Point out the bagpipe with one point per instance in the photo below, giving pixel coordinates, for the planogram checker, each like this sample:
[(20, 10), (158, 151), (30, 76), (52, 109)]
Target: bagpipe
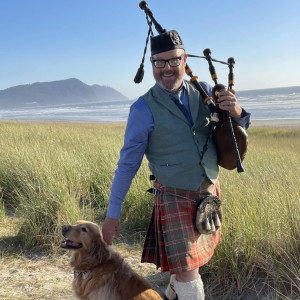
[(231, 139)]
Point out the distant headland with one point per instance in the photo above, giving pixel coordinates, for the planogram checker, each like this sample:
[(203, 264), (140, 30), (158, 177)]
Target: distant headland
[(60, 92)]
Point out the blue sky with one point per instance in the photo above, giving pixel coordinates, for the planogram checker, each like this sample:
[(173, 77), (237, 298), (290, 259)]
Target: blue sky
[(102, 42)]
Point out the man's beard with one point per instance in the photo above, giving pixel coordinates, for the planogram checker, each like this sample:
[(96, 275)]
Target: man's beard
[(170, 79)]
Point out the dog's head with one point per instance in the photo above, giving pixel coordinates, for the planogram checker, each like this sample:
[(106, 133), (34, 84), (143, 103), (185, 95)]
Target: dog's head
[(86, 242), (79, 235)]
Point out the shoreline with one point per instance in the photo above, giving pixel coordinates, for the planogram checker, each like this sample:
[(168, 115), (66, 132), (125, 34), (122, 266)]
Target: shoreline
[(278, 123)]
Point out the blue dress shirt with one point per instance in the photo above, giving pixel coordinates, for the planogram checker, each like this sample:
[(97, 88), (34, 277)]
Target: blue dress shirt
[(139, 128)]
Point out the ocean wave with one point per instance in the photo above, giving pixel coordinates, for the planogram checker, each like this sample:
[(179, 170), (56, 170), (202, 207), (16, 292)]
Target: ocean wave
[(263, 105)]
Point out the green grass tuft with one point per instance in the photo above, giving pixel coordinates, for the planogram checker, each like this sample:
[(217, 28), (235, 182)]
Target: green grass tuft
[(53, 174)]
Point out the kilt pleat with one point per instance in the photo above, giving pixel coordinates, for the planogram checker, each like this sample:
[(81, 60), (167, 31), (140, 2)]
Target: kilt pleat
[(172, 241)]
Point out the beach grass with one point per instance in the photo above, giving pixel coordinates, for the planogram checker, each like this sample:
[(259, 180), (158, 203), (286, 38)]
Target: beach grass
[(261, 232), (56, 173)]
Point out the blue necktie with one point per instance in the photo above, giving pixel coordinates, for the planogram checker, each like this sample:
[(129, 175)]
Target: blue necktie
[(175, 98)]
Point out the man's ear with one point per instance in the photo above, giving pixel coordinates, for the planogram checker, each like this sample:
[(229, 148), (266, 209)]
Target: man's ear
[(185, 57)]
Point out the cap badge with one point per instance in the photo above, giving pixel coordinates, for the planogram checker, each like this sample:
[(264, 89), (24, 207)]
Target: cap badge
[(175, 38)]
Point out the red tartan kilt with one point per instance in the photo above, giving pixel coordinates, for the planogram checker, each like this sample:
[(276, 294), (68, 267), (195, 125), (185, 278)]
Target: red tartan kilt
[(173, 242)]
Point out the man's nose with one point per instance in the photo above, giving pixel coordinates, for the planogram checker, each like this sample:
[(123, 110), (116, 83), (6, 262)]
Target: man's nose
[(167, 65)]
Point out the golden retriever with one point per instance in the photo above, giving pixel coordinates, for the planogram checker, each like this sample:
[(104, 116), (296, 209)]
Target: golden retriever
[(100, 273)]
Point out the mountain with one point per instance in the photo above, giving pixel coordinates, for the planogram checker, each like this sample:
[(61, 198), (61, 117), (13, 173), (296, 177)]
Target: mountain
[(61, 92)]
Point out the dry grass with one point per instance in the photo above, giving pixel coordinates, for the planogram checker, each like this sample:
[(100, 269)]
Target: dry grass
[(52, 174), (32, 274), (35, 278)]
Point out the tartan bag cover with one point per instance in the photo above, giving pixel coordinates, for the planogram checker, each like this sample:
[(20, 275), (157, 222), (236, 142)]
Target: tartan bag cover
[(173, 242)]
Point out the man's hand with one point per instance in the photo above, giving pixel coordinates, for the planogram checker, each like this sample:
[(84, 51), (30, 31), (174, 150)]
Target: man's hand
[(227, 101), (110, 229)]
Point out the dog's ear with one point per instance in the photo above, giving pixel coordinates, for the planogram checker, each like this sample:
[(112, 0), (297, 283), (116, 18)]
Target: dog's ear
[(99, 249)]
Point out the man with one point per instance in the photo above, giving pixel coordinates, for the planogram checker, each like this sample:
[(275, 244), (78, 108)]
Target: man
[(169, 125)]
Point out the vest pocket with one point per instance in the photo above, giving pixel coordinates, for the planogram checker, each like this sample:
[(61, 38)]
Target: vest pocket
[(170, 165)]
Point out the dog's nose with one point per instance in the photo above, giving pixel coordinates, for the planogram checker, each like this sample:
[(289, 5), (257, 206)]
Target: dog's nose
[(65, 228)]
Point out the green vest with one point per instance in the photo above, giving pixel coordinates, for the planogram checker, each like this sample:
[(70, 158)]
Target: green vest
[(175, 147)]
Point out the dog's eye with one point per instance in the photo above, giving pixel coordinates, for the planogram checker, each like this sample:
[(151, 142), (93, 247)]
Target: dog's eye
[(83, 229)]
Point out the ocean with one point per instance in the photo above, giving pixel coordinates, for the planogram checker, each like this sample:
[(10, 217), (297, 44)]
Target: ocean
[(264, 104)]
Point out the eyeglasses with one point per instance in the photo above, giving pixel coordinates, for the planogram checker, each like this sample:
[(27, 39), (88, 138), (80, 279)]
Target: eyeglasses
[(173, 62)]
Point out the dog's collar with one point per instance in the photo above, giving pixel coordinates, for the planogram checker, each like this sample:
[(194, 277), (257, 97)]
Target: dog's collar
[(84, 275)]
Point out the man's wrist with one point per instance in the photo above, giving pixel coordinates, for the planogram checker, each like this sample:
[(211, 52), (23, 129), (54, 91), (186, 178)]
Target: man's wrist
[(243, 113), (239, 115), (113, 211)]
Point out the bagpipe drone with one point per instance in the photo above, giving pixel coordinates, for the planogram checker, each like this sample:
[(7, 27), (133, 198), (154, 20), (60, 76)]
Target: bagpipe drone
[(231, 139)]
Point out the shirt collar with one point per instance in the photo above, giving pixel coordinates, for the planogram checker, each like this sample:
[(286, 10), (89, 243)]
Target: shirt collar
[(178, 92)]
